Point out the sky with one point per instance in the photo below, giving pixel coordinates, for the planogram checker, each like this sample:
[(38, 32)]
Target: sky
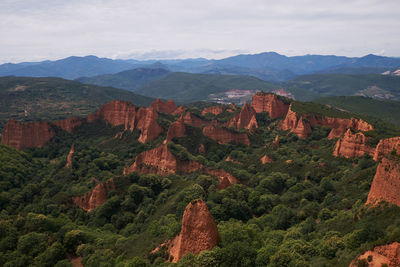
[(34, 30)]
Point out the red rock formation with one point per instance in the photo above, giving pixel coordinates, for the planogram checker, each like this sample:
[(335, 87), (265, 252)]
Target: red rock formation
[(225, 178), (295, 124), (213, 110), (301, 125), (176, 129), (161, 161), (198, 233), (386, 183), (386, 254), (96, 197), (231, 108), (352, 145), (69, 124), (224, 136), (202, 149), (69, 157), (179, 111), (116, 113), (195, 121), (22, 135), (265, 159), (276, 141), (164, 106), (147, 124), (245, 119), (269, 103), (386, 146)]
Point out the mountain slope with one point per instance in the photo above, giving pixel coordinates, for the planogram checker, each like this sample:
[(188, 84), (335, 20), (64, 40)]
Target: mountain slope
[(378, 86), (187, 87), (54, 98), (381, 109), (129, 79)]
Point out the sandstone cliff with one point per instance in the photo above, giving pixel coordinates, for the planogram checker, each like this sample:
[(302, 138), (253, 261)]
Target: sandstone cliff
[(161, 161), (386, 146), (147, 124), (295, 124), (179, 111), (69, 124), (96, 197), (176, 129), (164, 106), (213, 110), (245, 119), (116, 113), (225, 178), (69, 157), (352, 145), (198, 233), (196, 121), (22, 135), (270, 103), (386, 183), (265, 159), (386, 254), (224, 136)]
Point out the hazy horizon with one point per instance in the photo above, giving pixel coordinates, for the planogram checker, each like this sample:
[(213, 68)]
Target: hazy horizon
[(34, 30)]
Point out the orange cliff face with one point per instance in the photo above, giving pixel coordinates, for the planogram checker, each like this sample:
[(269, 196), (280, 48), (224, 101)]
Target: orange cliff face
[(69, 124), (386, 254), (116, 113), (22, 135), (213, 110), (196, 121), (245, 119), (69, 157), (295, 124), (386, 183), (167, 107), (224, 136), (225, 178), (270, 103), (352, 145), (198, 233), (386, 146), (148, 125), (176, 129), (94, 198), (301, 125), (160, 161)]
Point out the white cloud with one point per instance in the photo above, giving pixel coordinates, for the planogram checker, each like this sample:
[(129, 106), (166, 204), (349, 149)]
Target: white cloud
[(39, 29)]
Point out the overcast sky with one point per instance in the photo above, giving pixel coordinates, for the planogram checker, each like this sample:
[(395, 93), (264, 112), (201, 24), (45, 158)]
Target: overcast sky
[(32, 30)]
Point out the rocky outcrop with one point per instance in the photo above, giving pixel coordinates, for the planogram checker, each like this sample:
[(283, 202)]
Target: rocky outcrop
[(22, 135), (161, 161), (147, 124), (386, 146), (225, 178), (276, 141), (202, 149), (213, 110), (295, 124), (352, 145), (176, 129), (265, 159), (96, 197), (196, 121), (179, 111), (246, 119), (224, 136), (270, 103), (164, 106), (116, 113), (69, 157), (198, 233), (301, 125), (386, 254), (386, 183), (69, 124)]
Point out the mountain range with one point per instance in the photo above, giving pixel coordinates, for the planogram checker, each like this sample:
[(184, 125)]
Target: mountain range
[(269, 66)]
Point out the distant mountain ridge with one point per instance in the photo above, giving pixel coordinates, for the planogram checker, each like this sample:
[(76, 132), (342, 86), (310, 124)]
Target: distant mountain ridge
[(269, 66)]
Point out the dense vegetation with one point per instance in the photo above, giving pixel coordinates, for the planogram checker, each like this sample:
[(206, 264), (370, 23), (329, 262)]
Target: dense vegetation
[(304, 209), (53, 98)]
